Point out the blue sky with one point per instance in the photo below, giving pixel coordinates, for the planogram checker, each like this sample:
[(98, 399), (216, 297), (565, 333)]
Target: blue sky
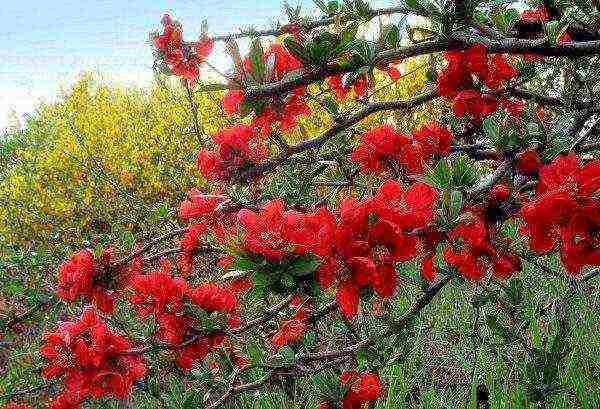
[(47, 44)]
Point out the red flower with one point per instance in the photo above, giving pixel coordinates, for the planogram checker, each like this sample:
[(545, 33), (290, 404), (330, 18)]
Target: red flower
[(158, 292), (197, 350), (232, 101), (499, 193), (92, 358), (474, 104), (371, 236), (529, 162), (378, 146), (362, 388), (456, 81), (347, 297), (93, 280), (383, 146), (199, 204), (538, 14), (181, 59), (564, 212), (336, 83), (235, 149), (212, 297), (189, 244), (499, 71), (265, 232), (291, 330), (471, 252)]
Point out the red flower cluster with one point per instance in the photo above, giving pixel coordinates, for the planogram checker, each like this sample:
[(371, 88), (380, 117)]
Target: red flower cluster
[(158, 292), (383, 147), (360, 84), (362, 388), (189, 244), (93, 359), (199, 205), (293, 329), (283, 110), (235, 148), (529, 162), (565, 212), (93, 280), (181, 59), (465, 75), (198, 350), (212, 297), (165, 297), (371, 236), (276, 233), (471, 252)]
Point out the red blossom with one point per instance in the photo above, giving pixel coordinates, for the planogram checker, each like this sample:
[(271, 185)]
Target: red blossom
[(565, 213), (212, 297), (235, 149), (199, 204), (197, 350), (93, 280), (471, 252), (181, 59), (529, 162), (381, 147), (362, 388), (189, 244), (92, 358), (371, 236), (291, 330), (456, 81), (158, 292)]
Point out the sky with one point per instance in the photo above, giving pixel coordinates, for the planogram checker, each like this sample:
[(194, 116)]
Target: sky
[(46, 44)]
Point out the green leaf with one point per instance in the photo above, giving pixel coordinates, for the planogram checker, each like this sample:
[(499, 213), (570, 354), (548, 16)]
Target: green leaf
[(243, 264), (455, 171), (391, 35), (256, 59), (304, 265), (496, 327), (331, 105), (128, 238), (333, 7), (346, 38), (297, 50), (285, 357), (191, 399)]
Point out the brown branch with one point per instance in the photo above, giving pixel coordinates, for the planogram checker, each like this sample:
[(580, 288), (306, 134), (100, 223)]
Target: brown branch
[(25, 315), (339, 126), (311, 75), (490, 180), (307, 26), (395, 327), (149, 245), (457, 42), (270, 313)]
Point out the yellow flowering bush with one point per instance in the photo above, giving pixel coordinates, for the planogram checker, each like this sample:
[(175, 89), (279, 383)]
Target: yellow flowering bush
[(102, 159), (107, 159)]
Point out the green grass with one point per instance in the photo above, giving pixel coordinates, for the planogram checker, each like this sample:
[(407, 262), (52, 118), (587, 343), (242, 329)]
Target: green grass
[(436, 357)]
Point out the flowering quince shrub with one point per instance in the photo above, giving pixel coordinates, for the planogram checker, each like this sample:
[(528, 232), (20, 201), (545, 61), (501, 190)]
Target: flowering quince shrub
[(291, 260)]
